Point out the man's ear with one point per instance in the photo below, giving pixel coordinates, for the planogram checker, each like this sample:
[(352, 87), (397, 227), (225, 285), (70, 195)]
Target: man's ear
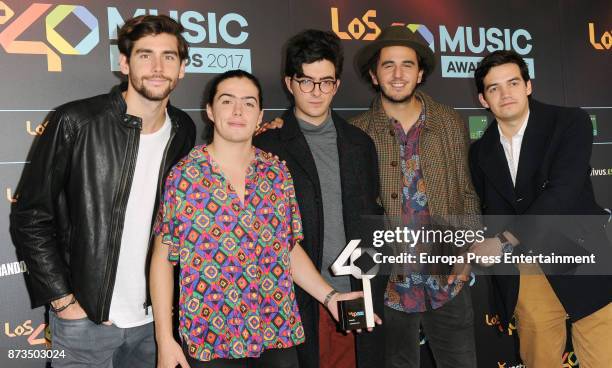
[(374, 79), (209, 113), (482, 100), (182, 70), (259, 119), (124, 64), (288, 84), (528, 87), (336, 88)]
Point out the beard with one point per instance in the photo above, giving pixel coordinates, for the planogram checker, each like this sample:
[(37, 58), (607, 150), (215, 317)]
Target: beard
[(397, 100), (139, 86)]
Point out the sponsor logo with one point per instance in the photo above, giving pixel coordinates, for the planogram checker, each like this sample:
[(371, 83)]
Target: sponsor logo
[(36, 131), (479, 40), (601, 172), (505, 365), (230, 28), (357, 27), (569, 360), (594, 122), (603, 42), (36, 336), (461, 47), (478, 125), (209, 30), (12, 268), (10, 197), (494, 321), (422, 30), (6, 13), (56, 44)]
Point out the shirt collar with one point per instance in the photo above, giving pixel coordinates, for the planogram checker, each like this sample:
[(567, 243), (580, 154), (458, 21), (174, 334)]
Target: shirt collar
[(309, 127), (521, 131), (420, 120)]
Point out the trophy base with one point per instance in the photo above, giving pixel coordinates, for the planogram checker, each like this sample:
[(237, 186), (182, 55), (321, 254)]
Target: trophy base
[(352, 314)]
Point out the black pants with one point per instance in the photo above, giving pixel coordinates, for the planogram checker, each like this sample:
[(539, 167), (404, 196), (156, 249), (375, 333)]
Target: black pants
[(274, 358), (449, 330)]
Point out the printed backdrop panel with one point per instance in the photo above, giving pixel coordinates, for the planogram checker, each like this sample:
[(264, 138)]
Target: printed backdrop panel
[(52, 52)]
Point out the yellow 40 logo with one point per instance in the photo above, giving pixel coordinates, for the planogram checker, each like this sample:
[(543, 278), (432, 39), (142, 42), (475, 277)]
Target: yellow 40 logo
[(12, 45)]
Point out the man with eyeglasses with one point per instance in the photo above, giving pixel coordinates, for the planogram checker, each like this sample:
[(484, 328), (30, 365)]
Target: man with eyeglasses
[(335, 171)]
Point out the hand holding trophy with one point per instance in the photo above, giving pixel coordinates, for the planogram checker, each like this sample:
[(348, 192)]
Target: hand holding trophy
[(358, 313)]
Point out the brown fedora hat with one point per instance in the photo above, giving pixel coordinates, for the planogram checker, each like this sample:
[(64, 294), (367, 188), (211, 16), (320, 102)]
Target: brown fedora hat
[(394, 36)]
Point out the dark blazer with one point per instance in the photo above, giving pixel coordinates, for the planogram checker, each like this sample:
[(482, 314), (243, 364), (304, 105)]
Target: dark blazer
[(553, 178), (360, 190)]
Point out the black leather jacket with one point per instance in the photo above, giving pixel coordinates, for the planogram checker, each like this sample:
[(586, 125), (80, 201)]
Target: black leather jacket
[(68, 219)]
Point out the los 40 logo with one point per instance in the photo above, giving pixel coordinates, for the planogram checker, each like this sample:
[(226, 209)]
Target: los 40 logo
[(26, 329), (54, 15)]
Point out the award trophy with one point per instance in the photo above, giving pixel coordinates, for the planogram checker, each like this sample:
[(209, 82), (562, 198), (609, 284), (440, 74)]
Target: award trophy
[(357, 313)]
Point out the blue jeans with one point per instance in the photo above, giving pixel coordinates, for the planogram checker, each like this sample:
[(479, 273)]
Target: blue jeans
[(86, 344)]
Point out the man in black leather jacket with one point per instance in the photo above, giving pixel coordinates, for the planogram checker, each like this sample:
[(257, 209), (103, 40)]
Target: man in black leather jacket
[(82, 222)]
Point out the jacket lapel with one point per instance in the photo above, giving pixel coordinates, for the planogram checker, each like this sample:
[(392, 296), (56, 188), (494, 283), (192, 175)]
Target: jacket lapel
[(296, 145), (533, 148), (346, 155), (431, 148), (388, 150), (350, 179), (433, 123), (493, 163)]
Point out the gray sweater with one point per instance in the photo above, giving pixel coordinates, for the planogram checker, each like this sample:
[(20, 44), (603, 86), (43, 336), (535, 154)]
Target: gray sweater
[(322, 140)]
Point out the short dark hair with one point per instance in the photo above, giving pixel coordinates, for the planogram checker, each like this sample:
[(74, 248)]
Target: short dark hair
[(373, 63), (148, 25), (211, 91), (498, 58), (237, 73), (310, 46)]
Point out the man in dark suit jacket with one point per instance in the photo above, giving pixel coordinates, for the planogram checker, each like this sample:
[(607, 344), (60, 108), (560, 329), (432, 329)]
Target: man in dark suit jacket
[(533, 162), (335, 172)]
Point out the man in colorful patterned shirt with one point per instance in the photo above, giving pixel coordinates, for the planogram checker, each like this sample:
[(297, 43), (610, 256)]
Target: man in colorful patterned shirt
[(231, 222), (422, 155)]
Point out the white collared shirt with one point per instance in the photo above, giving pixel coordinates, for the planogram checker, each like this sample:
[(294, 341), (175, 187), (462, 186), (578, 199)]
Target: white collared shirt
[(512, 148)]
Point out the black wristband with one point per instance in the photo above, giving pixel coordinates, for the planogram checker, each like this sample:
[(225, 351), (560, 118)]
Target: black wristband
[(63, 307), (328, 298)]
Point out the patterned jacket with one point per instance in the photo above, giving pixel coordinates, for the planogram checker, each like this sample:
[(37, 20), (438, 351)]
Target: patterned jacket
[(443, 147)]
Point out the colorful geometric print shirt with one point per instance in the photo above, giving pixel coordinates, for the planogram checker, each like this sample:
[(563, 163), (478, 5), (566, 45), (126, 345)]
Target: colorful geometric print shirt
[(236, 291)]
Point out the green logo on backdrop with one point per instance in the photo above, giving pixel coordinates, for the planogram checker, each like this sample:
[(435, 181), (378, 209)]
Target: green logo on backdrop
[(594, 122), (478, 124)]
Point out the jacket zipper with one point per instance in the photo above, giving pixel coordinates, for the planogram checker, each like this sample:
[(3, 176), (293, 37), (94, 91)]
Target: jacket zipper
[(118, 216)]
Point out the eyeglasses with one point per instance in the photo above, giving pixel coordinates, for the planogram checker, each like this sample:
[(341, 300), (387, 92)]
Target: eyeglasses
[(308, 85)]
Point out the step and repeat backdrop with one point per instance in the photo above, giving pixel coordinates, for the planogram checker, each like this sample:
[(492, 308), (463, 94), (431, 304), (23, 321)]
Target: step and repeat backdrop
[(52, 52)]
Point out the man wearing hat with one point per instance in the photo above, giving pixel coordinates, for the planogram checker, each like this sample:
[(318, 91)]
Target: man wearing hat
[(422, 154)]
